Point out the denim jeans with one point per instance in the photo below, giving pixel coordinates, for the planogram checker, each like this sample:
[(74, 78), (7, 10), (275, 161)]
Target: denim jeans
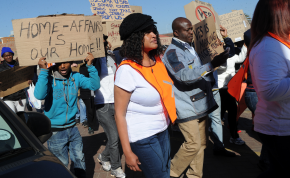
[(251, 100), (68, 140), (83, 111), (216, 127), (105, 114), (277, 148), (154, 154)]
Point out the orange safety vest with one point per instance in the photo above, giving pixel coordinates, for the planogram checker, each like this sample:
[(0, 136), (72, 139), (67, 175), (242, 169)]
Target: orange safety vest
[(158, 78), (235, 87)]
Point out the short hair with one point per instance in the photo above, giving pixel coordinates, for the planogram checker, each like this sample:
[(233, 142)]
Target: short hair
[(132, 47), (276, 20)]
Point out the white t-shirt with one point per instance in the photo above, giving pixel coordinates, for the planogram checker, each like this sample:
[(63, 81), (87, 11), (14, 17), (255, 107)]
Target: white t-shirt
[(106, 92), (144, 115)]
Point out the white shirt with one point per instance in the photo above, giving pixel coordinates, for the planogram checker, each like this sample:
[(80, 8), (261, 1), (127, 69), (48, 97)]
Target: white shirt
[(144, 115), (270, 70), (105, 94)]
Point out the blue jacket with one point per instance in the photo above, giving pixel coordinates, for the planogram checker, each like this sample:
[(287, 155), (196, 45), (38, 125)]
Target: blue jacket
[(60, 94), (192, 89)]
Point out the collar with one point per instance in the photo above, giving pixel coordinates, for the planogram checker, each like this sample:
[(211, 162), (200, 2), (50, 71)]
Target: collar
[(179, 43)]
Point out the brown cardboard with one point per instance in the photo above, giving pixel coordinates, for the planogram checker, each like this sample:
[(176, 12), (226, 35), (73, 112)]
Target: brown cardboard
[(236, 24), (11, 45), (111, 10), (113, 34), (136, 9), (59, 38), (15, 79), (197, 11), (207, 44), (165, 40)]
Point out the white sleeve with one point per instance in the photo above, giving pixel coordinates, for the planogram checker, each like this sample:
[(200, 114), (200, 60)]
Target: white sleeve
[(242, 56), (270, 75), (124, 78)]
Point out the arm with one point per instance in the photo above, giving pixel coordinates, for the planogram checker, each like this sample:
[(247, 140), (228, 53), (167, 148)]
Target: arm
[(180, 70), (270, 75), (42, 87), (229, 43), (242, 56), (122, 98)]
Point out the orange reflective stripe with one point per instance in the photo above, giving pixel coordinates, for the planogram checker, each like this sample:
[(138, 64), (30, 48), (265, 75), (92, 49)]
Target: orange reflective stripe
[(160, 80)]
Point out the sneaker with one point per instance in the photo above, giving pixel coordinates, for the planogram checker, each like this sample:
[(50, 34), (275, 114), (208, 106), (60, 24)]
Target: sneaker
[(118, 173), (77, 121), (106, 165), (85, 124), (91, 131), (237, 141)]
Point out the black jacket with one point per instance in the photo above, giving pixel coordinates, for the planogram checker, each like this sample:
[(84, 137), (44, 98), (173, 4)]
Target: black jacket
[(84, 93), (17, 95)]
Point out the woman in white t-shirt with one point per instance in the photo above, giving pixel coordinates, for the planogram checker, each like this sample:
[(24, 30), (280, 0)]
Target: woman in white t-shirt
[(144, 101)]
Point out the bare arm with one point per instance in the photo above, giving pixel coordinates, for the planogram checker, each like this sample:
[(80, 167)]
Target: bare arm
[(122, 98)]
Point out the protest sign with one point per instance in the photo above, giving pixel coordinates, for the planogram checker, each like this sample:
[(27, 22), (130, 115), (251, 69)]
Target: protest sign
[(197, 11), (15, 79), (165, 40), (11, 45), (236, 24), (59, 38), (207, 44), (113, 34), (136, 9), (111, 10)]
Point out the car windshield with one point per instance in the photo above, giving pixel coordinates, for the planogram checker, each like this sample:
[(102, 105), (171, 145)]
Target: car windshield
[(10, 139)]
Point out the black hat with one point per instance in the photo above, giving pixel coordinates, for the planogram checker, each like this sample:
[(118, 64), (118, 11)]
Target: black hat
[(247, 37), (134, 23)]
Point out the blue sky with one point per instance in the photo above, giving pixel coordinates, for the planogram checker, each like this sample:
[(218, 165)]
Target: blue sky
[(162, 11)]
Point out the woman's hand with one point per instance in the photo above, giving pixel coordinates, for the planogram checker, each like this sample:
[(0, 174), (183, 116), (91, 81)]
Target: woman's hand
[(89, 58), (132, 162)]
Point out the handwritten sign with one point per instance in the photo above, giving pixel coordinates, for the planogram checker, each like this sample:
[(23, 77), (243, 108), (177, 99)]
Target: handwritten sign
[(113, 34), (59, 38), (111, 10), (207, 44), (11, 45), (136, 9), (197, 11), (15, 79), (165, 40), (236, 24)]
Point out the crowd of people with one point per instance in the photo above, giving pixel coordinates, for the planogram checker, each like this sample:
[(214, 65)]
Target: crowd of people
[(142, 90)]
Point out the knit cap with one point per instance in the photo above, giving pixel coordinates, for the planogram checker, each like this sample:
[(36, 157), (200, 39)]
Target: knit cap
[(5, 50)]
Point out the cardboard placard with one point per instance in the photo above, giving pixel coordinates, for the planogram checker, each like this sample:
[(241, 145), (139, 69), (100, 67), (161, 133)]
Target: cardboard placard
[(113, 34), (236, 24), (11, 45), (59, 39), (197, 11), (207, 44), (136, 9), (165, 40), (15, 79), (111, 10)]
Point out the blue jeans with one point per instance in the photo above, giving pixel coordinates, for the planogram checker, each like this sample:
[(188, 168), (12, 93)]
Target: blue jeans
[(154, 154), (251, 100), (216, 128), (68, 140), (83, 111)]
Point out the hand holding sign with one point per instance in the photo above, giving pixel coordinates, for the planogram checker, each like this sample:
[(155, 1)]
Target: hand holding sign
[(89, 58), (42, 63), (224, 31)]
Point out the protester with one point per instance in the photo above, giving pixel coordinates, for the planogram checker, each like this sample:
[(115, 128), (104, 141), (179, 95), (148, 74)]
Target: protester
[(194, 97), (269, 55), (144, 99), (216, 127), (228, 103), (17, 100), (105, 112), (59, 89)]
